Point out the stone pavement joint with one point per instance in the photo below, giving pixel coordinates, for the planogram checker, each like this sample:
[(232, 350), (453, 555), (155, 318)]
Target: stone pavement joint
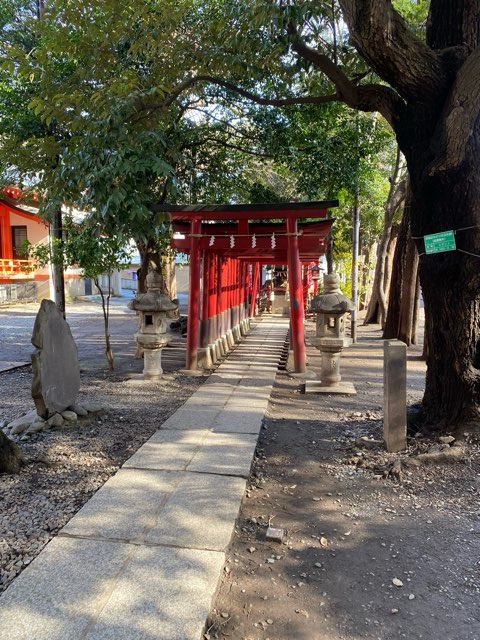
[(141, 560)]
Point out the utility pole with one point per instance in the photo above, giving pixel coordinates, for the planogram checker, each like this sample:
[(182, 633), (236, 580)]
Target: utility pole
[(40, 8), (355, 239), (56, 231), (355, 248)]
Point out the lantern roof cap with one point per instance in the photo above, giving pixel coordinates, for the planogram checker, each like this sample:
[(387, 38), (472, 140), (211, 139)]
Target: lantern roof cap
[(332, 301), (154, 300)]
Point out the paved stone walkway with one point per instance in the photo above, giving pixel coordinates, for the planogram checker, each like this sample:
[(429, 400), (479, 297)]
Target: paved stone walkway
[(141, 560)]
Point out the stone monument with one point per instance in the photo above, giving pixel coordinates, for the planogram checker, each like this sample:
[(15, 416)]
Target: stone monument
[(395, 395), (56, 372), (152, 336), (331, 308)]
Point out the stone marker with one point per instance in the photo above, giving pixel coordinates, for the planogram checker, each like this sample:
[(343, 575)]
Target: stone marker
[(56, 373), (395, 395)]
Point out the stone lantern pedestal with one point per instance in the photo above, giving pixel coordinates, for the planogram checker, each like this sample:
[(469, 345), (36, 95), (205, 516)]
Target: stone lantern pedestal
[(331, 308), (152, 336)]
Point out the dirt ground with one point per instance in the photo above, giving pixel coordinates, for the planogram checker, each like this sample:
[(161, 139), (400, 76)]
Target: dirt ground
[(364, 554)]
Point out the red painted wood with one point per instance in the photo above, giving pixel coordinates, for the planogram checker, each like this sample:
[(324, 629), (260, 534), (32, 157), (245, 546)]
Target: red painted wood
[(212, 300), (219, 297), (5, 234), (205, 297), (309, 246), (305, 285), (249, 214), (256, 279), (296, 298), (193, 298)]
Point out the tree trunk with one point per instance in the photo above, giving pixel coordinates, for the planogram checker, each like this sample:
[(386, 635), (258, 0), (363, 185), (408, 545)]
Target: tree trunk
[(329, 255), (150, 258), (391, 248), (366, 277), (402, 299), (106, 321), (377, 309), (434, 107)]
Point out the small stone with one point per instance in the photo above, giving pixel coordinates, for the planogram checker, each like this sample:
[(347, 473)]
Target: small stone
[(21, 424), (55, 421), (35, 427), (79, 410), (446, 439), (271, 561), (269, 621), (274, 534), (92, 407), (318, 565), (397, 582), (411, 596), (252, 550), (434, 448), (224, 614), (323, 541), (71, 416), (394, 610)]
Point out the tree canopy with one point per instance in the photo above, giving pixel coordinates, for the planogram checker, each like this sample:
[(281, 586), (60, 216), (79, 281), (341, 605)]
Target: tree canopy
[(106, 94)]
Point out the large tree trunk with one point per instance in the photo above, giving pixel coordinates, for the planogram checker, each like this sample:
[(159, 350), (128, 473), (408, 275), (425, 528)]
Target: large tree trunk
[(434, 108)]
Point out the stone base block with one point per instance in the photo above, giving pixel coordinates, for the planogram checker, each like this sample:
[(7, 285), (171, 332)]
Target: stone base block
[(204, 358), (237, 335), (343, 388), (304, 375), (230, 339), (224, 345), (213, 353), (195, 373), (218, 349)]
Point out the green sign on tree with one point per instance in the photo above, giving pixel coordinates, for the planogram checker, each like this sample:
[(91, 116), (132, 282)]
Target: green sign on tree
[(439, 242)]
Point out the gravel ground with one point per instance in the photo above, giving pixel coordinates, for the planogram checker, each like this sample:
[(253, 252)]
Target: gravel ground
[(366, 553), (66, 466)]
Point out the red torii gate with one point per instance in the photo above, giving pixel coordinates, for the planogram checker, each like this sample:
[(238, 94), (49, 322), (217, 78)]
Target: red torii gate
[(234, 240)]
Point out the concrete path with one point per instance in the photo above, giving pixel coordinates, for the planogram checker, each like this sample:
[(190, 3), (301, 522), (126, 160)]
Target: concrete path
[(141, 560)]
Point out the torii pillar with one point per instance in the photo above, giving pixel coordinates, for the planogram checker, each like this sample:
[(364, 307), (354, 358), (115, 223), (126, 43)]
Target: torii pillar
[(193, 320), (296, 297)]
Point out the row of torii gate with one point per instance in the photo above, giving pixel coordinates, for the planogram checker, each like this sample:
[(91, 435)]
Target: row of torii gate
[(227, 245)]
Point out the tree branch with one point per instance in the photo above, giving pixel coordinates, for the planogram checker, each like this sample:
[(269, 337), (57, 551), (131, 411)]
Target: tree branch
[(384, 39), (370, 97)]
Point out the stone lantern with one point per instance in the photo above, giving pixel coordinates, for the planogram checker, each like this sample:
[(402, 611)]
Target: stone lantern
[(331, 308), (152, 336)]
